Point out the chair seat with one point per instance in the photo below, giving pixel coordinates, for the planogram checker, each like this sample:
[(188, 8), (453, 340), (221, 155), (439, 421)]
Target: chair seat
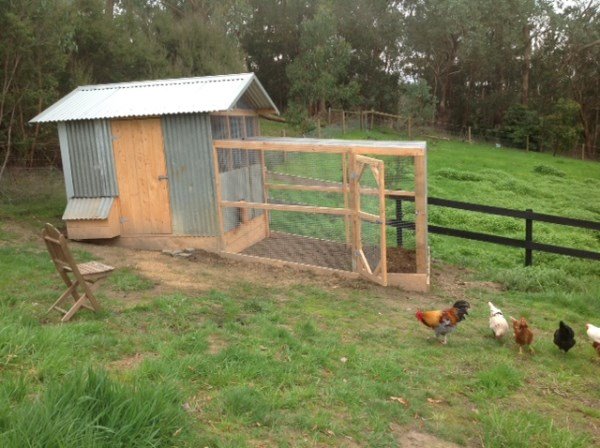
[(94, 268)]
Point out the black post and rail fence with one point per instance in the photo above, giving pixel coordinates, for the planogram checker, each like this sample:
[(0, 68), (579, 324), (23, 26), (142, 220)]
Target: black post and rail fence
[(528, 215)]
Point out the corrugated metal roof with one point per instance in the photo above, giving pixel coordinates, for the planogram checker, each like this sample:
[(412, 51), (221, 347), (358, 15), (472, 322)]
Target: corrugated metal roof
[(160, 97), (88, 208)]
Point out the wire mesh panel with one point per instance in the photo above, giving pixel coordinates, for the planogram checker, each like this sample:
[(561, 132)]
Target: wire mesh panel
[(311, 239), (241, 179)]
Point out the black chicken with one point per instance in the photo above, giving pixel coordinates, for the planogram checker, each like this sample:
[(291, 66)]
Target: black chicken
[(564, 337)]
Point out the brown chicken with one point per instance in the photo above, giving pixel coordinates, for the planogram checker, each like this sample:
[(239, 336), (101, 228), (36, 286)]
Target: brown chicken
[(523, 335), (444, 321)]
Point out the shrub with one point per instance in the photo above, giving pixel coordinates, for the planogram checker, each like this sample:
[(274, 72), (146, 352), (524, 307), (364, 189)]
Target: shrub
[(451, 173), (548, 170)]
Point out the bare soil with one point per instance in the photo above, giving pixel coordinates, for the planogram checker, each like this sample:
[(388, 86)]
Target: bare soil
[(409, 438)]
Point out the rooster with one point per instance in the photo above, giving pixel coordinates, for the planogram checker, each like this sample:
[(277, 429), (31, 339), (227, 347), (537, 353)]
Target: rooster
[(523, 335), (594, 335), (444, 321), (564, 337), (498, 323)]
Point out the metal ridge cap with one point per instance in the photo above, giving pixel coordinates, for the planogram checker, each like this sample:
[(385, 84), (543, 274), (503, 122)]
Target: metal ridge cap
[(164, 82)]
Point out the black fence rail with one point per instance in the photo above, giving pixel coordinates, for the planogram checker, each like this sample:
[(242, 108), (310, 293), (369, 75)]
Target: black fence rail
[(528, 215)]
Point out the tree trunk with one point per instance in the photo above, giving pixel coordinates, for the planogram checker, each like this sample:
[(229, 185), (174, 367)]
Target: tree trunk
[(8, 143), (526, 65), (109, 8)]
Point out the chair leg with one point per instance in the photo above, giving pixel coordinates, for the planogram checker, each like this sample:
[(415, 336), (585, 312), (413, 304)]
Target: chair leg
[(74, 308), (90, 296), (72, 287), (68, 282)]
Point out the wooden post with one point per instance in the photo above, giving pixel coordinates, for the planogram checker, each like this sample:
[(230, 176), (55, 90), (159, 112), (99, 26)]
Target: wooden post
[(265, 192), (343, 122), (372, 118), (409, 127), (528, 238), (220, 219), (228, 128), (421, 213), (527, 143), (355, 203), (583, 151), (346, 198), (318, 127), (383, 225), (470, 136), (361, 119), (329, 116)]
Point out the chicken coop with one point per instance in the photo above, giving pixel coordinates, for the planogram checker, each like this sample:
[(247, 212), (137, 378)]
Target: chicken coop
[(174, 164)]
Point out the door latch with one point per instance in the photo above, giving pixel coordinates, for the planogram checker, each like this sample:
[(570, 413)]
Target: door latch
[(163, 177)]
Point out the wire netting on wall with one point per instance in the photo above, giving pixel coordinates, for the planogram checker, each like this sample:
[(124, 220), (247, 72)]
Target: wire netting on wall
[(241, 178)]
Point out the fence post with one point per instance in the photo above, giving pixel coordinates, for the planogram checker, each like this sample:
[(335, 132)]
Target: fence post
[(372, 117), (470, 136), (343, 121), (329, 116), (318, 127), (527, 143), (399, 221), (528, 238), (409, 127)]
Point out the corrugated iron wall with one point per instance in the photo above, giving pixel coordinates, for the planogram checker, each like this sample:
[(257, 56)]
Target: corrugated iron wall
[(91, 158), (189, 154)]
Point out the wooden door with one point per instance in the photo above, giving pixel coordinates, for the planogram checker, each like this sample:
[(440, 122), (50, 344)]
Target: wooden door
[(141, 176), (372, 265)]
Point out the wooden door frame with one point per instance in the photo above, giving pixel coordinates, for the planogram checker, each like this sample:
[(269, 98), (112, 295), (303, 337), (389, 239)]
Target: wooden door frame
[(360, 264)]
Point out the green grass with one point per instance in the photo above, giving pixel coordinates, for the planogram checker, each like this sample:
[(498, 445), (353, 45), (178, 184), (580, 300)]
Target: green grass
[(244, 364)]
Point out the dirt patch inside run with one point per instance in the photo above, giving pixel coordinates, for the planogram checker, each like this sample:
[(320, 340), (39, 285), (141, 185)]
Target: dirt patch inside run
[(401, 260)]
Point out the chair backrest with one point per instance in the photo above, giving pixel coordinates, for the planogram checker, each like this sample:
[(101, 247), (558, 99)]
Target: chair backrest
[(58, 249)]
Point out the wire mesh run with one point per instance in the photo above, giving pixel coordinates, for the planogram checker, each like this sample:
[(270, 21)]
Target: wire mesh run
[(302, 207)]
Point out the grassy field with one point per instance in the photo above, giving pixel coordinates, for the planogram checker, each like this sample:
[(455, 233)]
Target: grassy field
[(239, 356)]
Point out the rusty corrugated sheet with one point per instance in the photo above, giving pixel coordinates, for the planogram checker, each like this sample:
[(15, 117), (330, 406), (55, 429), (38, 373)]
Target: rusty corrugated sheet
[(88, 208)]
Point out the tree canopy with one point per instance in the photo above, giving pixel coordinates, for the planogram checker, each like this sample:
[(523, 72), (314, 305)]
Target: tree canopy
[(526, 71)]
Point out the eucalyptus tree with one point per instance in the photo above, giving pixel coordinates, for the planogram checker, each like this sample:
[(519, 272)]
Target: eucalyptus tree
[(319, 74)]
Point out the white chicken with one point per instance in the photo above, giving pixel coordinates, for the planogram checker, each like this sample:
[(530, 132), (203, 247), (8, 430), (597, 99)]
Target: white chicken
[(594, 335), (498, 323)]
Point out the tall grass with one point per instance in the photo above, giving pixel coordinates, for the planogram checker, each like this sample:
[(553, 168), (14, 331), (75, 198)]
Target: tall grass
[(88, 409)]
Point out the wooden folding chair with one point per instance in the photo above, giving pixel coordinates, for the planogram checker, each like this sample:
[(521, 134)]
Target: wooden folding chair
[(84, 274)]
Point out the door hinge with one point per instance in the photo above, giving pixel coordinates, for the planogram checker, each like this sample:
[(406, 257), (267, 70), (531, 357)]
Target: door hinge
[(163, 177)]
